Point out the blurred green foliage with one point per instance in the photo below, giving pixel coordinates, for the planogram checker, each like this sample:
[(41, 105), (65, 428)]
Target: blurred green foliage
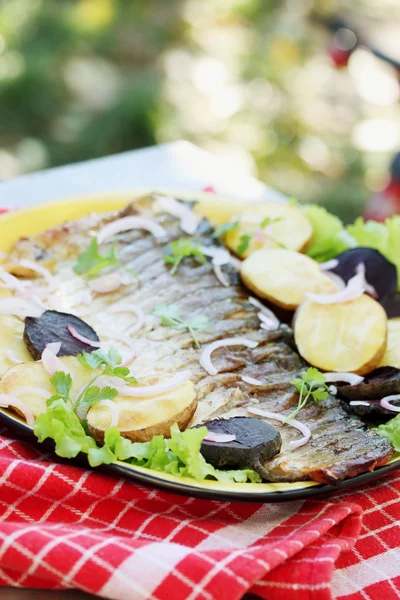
[(250, 79)]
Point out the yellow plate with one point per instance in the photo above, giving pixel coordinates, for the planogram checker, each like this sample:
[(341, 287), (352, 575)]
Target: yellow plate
[(36, 219)]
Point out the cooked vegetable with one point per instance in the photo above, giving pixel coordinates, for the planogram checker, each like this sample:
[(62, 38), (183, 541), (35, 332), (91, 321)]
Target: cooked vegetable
[(391, 358), (381, 382), (284, 277), (269, 225), (255, 443), (392, 305), (11, 332), (379, 272), (53, 326), (350, 336), (143, 417)]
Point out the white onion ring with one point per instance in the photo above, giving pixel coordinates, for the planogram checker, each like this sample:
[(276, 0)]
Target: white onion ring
[(251, 380), (147, 391), (45, 273), (263, 309), (114, 411), (205, 358), (82, 338), (106, 283), (130, 309), (332, 389), (189, 221), (8, 401), (329, 264), (20, 307), (128, 223), (50, 361), (354, 289), (55, 347), (336, 279), (386, 403), (220, 438), (220, 256), (359, 403), (13, 283), (302, 427), (9, 354), (268, 322), (360, 270), (220, 275), (350, 378)]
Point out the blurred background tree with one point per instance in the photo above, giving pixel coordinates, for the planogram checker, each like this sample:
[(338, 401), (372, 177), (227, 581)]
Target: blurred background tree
[(251, 80)]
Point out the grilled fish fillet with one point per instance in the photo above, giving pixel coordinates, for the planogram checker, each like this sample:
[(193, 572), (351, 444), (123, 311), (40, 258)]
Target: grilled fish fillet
[(341, 446)]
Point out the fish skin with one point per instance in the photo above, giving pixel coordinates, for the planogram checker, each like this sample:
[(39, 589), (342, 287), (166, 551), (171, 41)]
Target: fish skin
[(341, 446)]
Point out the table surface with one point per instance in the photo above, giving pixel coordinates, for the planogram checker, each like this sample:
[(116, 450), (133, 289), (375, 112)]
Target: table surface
[(179, 165)]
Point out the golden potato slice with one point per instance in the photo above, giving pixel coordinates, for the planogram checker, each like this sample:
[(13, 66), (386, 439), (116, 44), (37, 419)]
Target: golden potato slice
[(141, 418), (348, 336), (33, 374), (270, 225), (219, 210), (11, 338), (284, 277), (391, 358)]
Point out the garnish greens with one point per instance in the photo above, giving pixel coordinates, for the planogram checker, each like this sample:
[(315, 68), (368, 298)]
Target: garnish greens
[(169, 314), (245, 238), (391, 431), (311, 384), (110, 361), (182, 249), (179, 455), (92, 262), (222, 229), (329, 236)]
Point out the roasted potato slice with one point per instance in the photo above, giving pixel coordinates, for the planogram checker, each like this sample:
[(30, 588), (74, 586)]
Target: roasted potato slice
[(11, 338), (142, 418), (284, 277), (391, 358), (347, 336), (269, 225)]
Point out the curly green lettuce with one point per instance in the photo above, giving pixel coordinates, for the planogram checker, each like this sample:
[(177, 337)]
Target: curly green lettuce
[(391, 431), (329, 236), (179, 455)]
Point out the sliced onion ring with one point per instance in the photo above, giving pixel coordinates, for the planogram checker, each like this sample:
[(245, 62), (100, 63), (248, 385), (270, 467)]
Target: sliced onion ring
[(251, 380), (359, 403), (82, 338), (350, 378), (205, 358), (354, 289), (9, 354), (114, 409), (221, 438), (189, 221), (147, 391), (302, 427), (387, 400), (220, 275), (20, 307), (337, 280), (130, 309), (268, 322), (8, 401), (50, 361), (128, 223), (329, 264)]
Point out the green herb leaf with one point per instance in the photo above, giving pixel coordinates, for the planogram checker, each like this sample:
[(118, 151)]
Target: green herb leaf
[(244, 243), (311, 384), (124, 373), (169, 315), (329, 236), (225, 228), (107, 393), (62, 382), (181, 249), (391, 431), (269, 221), (92, 262), (90, 360)]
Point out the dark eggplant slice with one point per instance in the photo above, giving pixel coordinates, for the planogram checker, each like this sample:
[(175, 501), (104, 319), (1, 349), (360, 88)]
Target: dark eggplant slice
[(379, 272), (392, 305), (381, 382), (256, 442), (52, 326)]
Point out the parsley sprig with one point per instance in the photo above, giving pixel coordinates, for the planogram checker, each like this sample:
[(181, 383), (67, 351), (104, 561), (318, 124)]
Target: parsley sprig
[(170, 317), (225, 228), (92, 262), (181, 249), (110, 361), (245, 238), (311, 384)]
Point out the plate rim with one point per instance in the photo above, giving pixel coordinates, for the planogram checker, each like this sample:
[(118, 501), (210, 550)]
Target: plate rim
[(216, 490)]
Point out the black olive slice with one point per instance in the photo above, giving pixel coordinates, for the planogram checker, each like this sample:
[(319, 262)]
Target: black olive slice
[(256, 442), (52, 326)]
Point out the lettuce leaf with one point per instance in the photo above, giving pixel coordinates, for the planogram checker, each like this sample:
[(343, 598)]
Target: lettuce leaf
[(384, 237), (391, 431), (179, 455), (329, 236)]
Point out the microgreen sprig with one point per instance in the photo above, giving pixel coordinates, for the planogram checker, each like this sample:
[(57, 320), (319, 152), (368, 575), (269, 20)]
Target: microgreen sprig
[(169, 314), (225, 228), (181, 249), (245, 238), (92, 262), (311, 384)]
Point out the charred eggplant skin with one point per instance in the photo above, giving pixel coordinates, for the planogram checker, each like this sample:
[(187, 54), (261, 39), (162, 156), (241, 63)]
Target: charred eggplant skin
[(256, 442), (384, 381), (52, 326)]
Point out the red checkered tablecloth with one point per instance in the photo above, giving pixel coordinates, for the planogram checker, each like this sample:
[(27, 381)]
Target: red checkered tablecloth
[(62, 526)]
